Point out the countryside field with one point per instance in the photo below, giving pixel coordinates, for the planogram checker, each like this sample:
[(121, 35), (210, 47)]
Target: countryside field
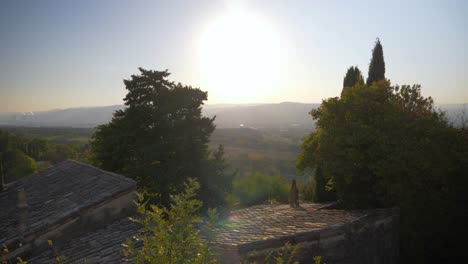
[(269, 151)]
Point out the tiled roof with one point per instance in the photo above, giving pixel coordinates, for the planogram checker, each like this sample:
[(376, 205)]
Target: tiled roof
[(244, 226), (101, 246), (263, 222), (56, 194), (63, 191)]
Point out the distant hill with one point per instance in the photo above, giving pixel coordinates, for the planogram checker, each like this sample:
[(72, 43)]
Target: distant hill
[(70, 117), (280, 115), (258, 116)]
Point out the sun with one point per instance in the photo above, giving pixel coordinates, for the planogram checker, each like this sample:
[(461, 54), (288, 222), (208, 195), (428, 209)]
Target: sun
[(239, 59)]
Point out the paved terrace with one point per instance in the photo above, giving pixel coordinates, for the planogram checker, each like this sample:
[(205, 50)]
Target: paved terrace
[(339, 236), (264, 222)]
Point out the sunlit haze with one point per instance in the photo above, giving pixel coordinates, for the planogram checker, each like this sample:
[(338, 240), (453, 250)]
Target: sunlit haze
[(60, 54), (240, 58)]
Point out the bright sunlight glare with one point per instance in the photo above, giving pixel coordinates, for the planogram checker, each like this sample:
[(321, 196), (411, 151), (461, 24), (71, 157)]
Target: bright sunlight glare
[(239, 59)]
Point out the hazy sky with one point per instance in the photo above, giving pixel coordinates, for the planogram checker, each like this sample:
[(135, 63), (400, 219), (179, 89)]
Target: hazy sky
[(59, 54)]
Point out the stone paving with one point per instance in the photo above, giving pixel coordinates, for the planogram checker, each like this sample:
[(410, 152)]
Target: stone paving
[(265, 222)]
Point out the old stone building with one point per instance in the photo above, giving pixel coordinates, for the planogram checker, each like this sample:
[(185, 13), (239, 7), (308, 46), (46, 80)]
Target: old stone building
[(69, 201), (85, 210)]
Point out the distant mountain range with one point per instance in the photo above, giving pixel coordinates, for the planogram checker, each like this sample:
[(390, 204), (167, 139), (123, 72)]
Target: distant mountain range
[(281, 115), (70, 117), (284, 114)]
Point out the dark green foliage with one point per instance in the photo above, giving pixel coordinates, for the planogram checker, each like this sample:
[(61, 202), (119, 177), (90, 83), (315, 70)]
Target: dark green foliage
[(307, 191), (310, 158), (216, 183), (170, 235), (60, 152), (49, 144), (324, 191), (377, 64), (367, 128), (4, 141), (259, 188), (54, 135), (284, 255), (33, 147), (383, 146), (160, 138), (353, 76), (37, 148), (16, 164)]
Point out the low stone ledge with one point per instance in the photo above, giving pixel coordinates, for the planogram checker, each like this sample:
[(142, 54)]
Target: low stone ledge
[(347, 237)]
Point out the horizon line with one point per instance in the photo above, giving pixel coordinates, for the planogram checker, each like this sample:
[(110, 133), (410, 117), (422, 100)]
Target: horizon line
[(207, 104)]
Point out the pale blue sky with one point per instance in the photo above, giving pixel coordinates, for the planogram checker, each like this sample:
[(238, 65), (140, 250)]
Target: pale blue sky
[(59, 54)]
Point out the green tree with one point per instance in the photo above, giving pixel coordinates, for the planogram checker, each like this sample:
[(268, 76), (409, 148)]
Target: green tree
[(353, 76), (384, 145), (37, 148), (311, 158), (60, 152), (17, 164), (160, 138), (324, 191), (259, 188), (14, 163), (4, 142), (215, 181), (377, 64), (307, 191), (362, 129)]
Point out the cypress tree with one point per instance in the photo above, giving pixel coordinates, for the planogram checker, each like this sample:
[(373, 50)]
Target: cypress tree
[(377, 64), (353, 76)]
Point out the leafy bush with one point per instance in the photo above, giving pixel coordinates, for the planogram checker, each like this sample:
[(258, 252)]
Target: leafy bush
[(60, 152), (286, 254), (17, 165), (259, 188), (306, 191), (170, 235)]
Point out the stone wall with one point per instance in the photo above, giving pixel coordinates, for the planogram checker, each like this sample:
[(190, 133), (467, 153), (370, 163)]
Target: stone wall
[(372, 238)]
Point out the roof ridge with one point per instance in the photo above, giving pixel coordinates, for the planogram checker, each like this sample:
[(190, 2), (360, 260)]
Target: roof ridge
[(116, 175)]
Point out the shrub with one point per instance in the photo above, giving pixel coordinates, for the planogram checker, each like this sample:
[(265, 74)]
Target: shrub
[(17, 165), (170, 235), (259, 188), (306, 191)]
